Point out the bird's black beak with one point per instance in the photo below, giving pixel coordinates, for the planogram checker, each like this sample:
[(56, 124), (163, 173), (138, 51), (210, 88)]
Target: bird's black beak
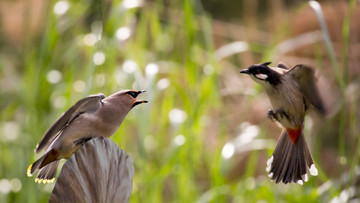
[(245, 71), (134, 94), (138, 92), (141, 91), (137, 102)]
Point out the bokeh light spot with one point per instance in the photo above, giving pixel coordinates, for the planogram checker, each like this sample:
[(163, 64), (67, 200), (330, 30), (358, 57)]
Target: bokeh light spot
[(99, 58), (15, 185), (128, 4), (79, 86), (177, 116), (152, 69), (59, 102), (130, 66), (123, 33), (61, 7), (54, 76), (228, 150), (11, 130), (208, 69), (179, 140), (163, 83), (90, 39), (5, 186)]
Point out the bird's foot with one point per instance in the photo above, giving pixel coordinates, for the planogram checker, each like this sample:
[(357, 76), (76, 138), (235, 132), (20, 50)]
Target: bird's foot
[(272, 115), (278, 115)]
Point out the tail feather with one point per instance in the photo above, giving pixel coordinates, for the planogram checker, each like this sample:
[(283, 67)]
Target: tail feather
[(275, 167), (35, 166), (290, 172), (47, 173), (291, 162), (284, 162), (47, 158)]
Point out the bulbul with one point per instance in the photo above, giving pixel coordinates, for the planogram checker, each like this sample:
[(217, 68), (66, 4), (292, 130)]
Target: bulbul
[(90, 117), (291, 93)]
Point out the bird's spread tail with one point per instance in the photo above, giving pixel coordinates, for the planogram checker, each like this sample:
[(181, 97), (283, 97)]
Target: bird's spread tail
[(47, 173), (47, 164), (35, 166), (291, 161)]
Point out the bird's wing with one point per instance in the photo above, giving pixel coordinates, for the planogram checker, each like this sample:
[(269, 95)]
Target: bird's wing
[(283, 66), (305, 77), (90, 103)]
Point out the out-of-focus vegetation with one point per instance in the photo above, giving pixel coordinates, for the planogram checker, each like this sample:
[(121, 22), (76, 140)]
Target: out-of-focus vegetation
[(204, 135)]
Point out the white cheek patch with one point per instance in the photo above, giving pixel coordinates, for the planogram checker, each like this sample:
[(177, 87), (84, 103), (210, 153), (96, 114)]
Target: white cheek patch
[(261, 76)]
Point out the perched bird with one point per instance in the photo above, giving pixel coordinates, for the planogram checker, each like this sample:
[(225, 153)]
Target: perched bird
[(291, 93), (91, 117)]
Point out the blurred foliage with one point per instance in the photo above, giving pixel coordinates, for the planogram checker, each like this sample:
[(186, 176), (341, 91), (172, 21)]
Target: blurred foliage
[(177, 140)]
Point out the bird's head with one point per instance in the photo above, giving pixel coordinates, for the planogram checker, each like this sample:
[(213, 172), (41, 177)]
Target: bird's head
[(133, 94), (263, 74), (129, 97)]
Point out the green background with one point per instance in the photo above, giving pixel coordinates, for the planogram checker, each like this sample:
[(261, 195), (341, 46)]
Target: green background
[(198, 101)]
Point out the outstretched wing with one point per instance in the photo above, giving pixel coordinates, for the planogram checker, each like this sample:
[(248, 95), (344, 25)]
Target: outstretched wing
[(90, 103), (304, 76), (283, 66)]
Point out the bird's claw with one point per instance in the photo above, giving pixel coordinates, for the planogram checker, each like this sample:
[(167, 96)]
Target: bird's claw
[(272, 115), (277, 115)]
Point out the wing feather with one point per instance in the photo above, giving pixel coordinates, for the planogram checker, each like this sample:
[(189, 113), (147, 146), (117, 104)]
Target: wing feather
[(305, 77), (90, 103)]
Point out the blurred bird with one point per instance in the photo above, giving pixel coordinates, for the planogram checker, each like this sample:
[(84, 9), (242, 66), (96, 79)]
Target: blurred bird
[(291, 93), (91, 117)]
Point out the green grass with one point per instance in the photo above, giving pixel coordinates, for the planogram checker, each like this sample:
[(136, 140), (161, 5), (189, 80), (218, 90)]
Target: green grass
[(177, 38)]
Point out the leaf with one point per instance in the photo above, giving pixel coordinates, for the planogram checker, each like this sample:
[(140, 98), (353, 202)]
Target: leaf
[(98, 172)]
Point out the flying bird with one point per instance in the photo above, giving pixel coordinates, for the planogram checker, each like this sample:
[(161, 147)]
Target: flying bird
[(92, 116), (291, 93)]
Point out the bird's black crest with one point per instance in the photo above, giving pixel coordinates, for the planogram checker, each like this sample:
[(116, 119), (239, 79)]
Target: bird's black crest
[(273, 78), (266, 63)]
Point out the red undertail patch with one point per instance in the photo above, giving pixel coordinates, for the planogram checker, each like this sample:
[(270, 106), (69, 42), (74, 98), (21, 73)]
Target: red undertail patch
[(294, 134)]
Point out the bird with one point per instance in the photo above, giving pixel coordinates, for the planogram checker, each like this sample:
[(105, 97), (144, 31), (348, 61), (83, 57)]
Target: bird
[(91, 117), (292, 92)]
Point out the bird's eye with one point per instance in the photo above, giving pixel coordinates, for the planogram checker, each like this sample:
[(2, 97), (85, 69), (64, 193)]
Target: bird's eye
[(133, 94)]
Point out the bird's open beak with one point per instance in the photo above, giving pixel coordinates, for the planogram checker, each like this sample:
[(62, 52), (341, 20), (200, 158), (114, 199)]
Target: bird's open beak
[(141, 91), (246, 71), (137, 102)]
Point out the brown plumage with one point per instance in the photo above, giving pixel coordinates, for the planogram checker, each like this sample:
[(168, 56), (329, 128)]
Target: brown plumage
[(92, 116), (291, 93), (98, 172)]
